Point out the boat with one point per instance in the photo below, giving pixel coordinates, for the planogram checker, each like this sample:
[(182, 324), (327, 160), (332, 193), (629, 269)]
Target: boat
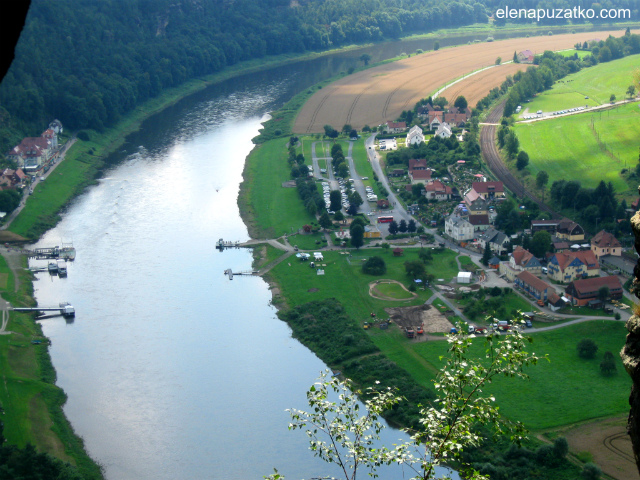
[(53, 267), (62, 268), (67, 251)]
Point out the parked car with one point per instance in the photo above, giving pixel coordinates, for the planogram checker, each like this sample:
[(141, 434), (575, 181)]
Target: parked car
[(528, 323)]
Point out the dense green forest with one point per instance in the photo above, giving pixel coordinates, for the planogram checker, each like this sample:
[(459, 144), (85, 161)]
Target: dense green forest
[(88, 63)]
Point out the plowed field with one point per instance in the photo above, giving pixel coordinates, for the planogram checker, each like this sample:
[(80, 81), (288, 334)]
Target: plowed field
[(373, 96)]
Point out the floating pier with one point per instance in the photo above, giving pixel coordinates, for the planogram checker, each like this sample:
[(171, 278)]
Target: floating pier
[(66, 252), (65, 309), (222, 244), (230, 273)]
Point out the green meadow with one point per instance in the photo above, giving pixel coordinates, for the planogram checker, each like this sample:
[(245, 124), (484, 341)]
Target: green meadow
[(563, 390), (269, 209), (588, 147), (343, 279), (597, 83)]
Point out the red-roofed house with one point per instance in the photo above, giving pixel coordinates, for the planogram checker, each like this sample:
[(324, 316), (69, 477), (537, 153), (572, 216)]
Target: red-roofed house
[(420, 164), (395, 127), (419, 176), (526, 56), (31, 153), (436, 190), (532, 285), (480, 222), (565, 267), (487, 190), (581, 292), (604, 243)]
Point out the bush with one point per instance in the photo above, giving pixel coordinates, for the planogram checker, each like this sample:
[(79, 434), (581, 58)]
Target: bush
[(84, 136), (608, 364), (374, 266), (591, 471), (587, 349)]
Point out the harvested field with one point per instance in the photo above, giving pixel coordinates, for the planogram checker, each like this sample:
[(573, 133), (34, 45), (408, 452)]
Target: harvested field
[(609, 444), (429, 317), (476, 87), (378, 94)]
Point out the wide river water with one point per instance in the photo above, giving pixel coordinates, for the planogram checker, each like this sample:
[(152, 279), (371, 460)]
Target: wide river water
[(173, 371)]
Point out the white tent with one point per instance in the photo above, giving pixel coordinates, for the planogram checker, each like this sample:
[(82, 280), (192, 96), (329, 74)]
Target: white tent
[(464, 277)]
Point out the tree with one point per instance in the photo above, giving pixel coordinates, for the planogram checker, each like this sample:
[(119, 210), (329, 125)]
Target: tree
[(603, 294), (498, 60), (374, 266), (587, 348), (411, 226), (542, 178), (487, 254), (340, 433), (330, 132), (357, 236), (402, 227), (515, 57), (460, 103), (393, 227), (339, 216), (523, 160), (324, 220), (631, 91), (346, 128), (511, 144), (540, 243), (436, 46), (425, 255), (335, 200), (366, 58), (612, 98), (415, 269), (590, 471), (608, 364)]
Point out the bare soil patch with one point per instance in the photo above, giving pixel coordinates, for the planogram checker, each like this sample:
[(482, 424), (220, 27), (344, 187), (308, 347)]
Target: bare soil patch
[(607, 441), (429, 317), (373, 96)]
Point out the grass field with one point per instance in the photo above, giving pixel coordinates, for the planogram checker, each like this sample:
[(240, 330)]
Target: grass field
[(589, 146), (564, 390), (269, 209), (344, 280), (597, 83)]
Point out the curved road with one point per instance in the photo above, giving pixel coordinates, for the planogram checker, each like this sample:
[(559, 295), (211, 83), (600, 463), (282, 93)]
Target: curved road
[(493, 160)]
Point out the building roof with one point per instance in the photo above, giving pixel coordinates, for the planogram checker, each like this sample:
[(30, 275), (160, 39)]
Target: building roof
[(397, 124), (420, 174), (590, 285), (525, 258), (419, 164), (564, 259), (533, 281), (488, 187), (604, 239), (438, 187), (569, 227), (476, 220)]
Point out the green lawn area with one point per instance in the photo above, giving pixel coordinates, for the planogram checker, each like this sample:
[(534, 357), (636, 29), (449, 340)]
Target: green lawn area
[(270, 209), (589, 147), (308, 241), (344, 280), (394, 290), (597, 83), (564, 390)]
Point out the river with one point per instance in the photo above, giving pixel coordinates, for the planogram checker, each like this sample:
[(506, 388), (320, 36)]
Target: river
[(173, 371)]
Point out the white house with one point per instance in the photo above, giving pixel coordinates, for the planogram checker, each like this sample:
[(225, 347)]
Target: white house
[(443, 131), (458, 228), (415, 136)]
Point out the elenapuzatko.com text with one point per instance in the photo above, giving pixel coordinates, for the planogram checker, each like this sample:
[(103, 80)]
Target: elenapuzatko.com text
[(575, 13)]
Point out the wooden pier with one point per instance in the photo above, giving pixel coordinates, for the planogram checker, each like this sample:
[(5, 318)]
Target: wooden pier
[(230, 273), (66, 252)]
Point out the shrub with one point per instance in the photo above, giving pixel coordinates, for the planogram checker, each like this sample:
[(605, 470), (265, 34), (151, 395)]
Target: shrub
[(591, 471), (84, 136), (608, 364), (374, 266), (587, 348)]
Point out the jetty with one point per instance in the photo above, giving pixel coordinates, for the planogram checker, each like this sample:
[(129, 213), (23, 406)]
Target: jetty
[(230, 273), (66, 252), (222, 244), (65, 309)]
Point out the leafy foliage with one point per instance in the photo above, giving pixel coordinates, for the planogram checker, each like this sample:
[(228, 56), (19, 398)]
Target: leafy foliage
[(374, 266), (587, 348)]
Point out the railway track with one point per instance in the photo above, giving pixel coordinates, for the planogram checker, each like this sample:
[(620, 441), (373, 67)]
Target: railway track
[(493, 160)]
